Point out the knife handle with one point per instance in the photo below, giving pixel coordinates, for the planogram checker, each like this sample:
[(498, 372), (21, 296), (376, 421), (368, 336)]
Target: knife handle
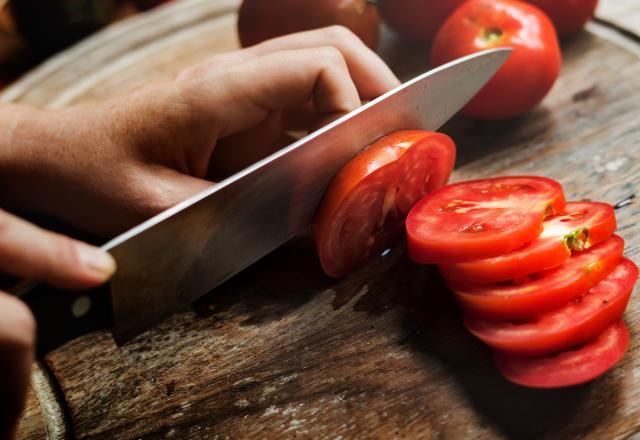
[(63, 315)]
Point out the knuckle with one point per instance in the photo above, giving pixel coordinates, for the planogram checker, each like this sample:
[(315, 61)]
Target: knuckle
[(331, 55), (65, 253), (338, 33)]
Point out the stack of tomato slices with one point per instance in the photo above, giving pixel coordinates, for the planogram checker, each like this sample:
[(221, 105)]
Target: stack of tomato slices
[(542, 282)]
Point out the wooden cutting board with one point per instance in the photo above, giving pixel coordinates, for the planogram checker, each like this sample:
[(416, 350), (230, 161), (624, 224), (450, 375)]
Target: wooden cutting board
[(282, 351)]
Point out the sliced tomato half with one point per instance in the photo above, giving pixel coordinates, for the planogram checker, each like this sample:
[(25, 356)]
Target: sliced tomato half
[(480, 218), (364, 209), (542, 291), (567, 368), (582, 225), (574, 323)]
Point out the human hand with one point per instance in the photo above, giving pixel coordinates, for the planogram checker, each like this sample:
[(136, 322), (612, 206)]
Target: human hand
[(30, 252), (106, 167)]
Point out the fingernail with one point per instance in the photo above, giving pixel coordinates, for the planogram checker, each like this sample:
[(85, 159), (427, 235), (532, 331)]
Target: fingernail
[(97, 261)]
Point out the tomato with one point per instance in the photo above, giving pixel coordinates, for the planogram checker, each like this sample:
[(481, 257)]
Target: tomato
[(416, 20), (574, 323), (527, 75), (48, 26), (542, 291), (149, 4), (571, 367), (366, 204), (582, 225), (568, 16), (480, 218), (260, 20)]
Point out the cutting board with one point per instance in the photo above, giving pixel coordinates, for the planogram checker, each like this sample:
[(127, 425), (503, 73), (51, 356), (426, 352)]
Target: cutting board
[(282, 351)]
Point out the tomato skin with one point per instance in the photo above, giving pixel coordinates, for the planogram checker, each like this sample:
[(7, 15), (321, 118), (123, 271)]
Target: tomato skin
[(417, 20), (480, 218), (568, 16), (574, 323), (527, 75), (567, 368), (364, 208), (260, 20), (582, 225), (542, 291)]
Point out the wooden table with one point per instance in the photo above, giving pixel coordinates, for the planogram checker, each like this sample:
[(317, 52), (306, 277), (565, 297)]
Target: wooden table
[(284, 352)]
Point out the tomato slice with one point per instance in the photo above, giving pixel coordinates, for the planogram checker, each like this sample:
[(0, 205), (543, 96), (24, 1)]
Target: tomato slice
[(542, 291), (480, 218), (364, 209), (582, 225), (574, 323), (567, 368)]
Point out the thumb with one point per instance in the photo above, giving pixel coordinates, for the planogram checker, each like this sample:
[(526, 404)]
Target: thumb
[(17, 336), (31, 252)]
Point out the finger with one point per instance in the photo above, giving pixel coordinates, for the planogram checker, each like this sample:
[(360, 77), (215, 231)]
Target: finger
[(239, 150), (31, 252), (275, 81), (370, 74), (17, 336)]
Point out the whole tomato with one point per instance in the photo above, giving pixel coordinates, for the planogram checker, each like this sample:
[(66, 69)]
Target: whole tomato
[(527, 75), (259, 20), (416, 20), (48, 26), (568, 16)]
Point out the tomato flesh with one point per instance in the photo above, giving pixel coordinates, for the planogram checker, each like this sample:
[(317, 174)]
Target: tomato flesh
[(567, 368), (364, 209), (480, 218), (542, 291), (574, 323), (582, 225)]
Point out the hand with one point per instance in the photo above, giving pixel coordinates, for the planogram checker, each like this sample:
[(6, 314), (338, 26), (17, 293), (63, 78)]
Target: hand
[(30, 252), (106, 167)]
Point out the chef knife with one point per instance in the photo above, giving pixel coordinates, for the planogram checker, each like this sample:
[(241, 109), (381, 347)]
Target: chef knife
[(184, 252)]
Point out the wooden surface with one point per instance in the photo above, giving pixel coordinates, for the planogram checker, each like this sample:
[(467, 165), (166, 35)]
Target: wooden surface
[(284, 352)]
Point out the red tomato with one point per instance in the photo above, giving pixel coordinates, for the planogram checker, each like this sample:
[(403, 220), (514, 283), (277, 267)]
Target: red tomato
[(366, 204), (571, 367), (574, 323), (260, 20), (582, 225), (529, 73), (542, 291), (480, 218), (568, 16), (417, 20)]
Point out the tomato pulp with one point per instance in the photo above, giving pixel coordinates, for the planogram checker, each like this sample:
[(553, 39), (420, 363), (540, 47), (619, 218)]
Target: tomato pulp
[(541, 291), (480, 218), (364, 209), (571, 367), (574, 323), (582, 225), (527, 75)]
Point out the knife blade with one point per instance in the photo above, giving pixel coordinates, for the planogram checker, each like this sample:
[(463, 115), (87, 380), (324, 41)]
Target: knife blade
[(179, 255)]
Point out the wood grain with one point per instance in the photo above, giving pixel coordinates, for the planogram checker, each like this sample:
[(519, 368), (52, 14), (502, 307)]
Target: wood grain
[(44, 416), (282, 351)]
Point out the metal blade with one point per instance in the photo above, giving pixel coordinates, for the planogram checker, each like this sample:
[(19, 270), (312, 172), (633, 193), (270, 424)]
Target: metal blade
[(184, 252)]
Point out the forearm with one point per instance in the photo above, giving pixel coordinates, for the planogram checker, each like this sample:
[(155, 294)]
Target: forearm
[(18, 132), (36, 148)]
